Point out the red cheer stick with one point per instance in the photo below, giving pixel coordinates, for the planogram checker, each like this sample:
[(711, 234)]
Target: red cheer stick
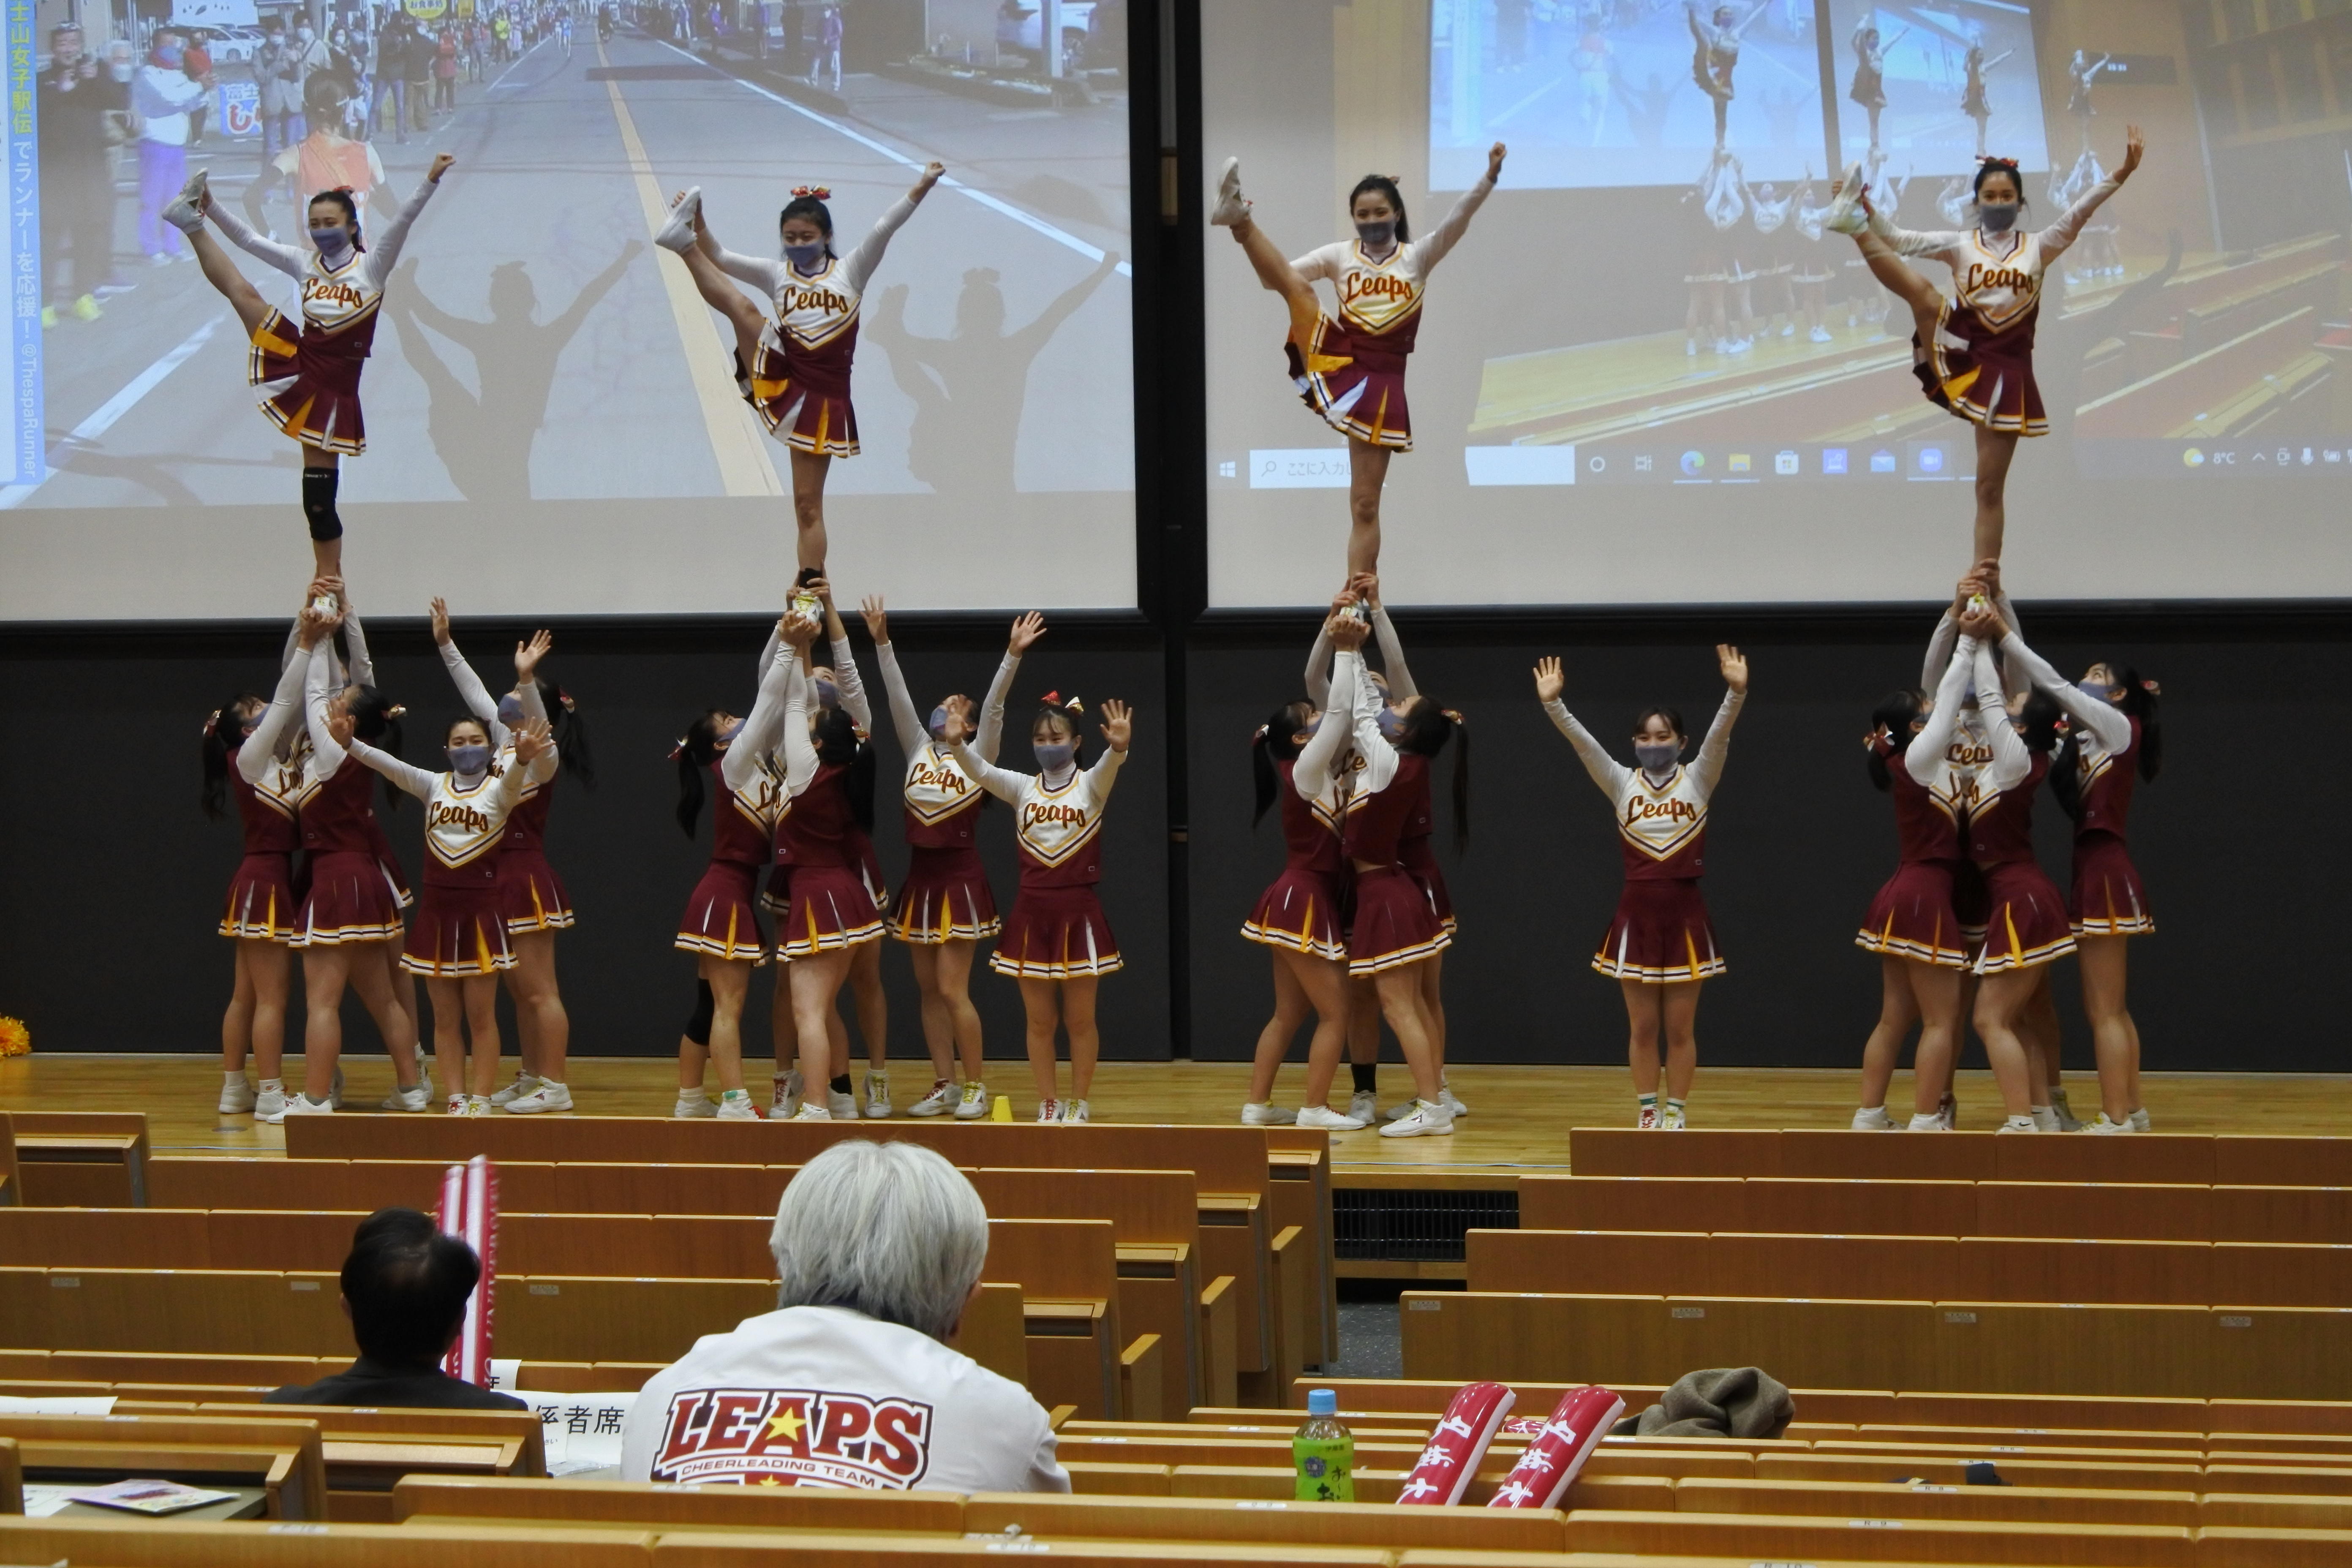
[(1452, 1454), (1558, 1452)]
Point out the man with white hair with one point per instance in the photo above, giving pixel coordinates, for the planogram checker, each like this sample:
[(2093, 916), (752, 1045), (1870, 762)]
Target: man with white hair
[(851, 1382)]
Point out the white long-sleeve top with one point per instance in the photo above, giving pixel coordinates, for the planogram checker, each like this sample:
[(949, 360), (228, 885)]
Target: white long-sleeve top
[(463, 817), (2010, 761), (1057, 826), (1660, 822), (2100, 728), (814, 307), (361, 671), (1375, 296), (1399, 677), (1946, 639), (1347, 758), (776, 726), (1997, 276), (334, 297), (936, 787), (275, 725)]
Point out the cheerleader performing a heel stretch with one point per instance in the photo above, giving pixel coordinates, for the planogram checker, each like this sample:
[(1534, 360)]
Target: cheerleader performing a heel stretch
[(794, 368), (2113, 742), (1660, 947), (1974, 101), (944, 910), (350, 911), (1351, 369), (533, 895), (1393, 931), (2025, 919), (1974, 354), (458, 944), (1057, 943), (722, 924), (308, 374), (1715, 55)]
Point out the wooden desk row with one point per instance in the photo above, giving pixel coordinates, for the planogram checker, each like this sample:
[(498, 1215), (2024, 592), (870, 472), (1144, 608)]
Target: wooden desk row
[(2198, 1159)]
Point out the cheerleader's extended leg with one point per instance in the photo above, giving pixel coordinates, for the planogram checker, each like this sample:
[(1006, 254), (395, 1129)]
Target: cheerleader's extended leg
[(809, 469), (1399, 996), (1996, 449), (1078, 1024), (1672, 1012), (694, 1053), (873, 1006), (1368, 470)]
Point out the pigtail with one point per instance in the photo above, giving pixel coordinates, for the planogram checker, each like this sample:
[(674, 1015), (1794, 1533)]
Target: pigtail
[(571, 733), (376, 718), (1890, 727), (1461, 782), (1268, 783), (2066, 776), (214, 795), (695, 751), (2139, 701)]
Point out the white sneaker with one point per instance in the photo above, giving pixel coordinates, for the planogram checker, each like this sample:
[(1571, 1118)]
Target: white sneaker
[(938, 1102), (786, 1098), (1267, 1115), (1422, 1120), (1929, 1121), (269, 1104), (1363, 1108), (1822, 335), (692, 1104), (2105, 1126), (303, 1105), (1231, 207), (1048, 1111), (1947, 1112), (735, 1105), (184, 212), (1331, 1121), (237, 1096), (811, 1111), (839, 1106), (546, 1097), (524, 1083), (454, 1106), (1873, 1119), (2018, 1124), (2045, 1119), (678, 233), (1845, 215), (416, 1098), (974, 1103), (1399, 1113), (2068, 1121), (1074, 1113), (2139, 1120), (878, 1094), (1445, 1097), (1650, 1120), (1670, 1120), (478, 1105)]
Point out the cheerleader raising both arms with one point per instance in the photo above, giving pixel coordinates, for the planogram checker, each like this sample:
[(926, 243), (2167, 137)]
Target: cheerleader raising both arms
[(1350, 370), (943, 910), (1660, 947), (458, 944), (2113, 742), (721, 924), (308, 373), (532, 896), (794, 368), (1974, 354), (1056, 943)]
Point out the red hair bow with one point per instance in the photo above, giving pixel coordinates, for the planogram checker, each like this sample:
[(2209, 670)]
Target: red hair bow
[(821, 193), (212, 723)]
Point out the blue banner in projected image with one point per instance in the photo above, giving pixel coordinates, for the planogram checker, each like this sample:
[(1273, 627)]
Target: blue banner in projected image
[(20, 155)]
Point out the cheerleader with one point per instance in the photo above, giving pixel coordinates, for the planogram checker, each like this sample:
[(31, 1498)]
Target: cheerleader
[(308, 374), (350, 911), (458, 944), (2081, 75), (1715, 55), (829, 911), (2113, 742), (1393, 931), (1974, 355), (1869, 88), (2026, 924), (1351, 369), (1721, 194), (722, 924), (1974, 101), (1056, 942), (794, 368), (1775, 233), (1660, 947), (1814, 270), (531, 895), (944, 909)]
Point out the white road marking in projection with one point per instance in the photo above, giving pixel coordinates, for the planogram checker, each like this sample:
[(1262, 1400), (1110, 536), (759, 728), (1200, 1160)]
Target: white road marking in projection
[(112, 409), (1091, 252)]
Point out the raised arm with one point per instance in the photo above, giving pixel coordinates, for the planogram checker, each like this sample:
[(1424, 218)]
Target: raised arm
[(1318, 760), (801, 761), (903, 717), (845, 681), (1380, 756), (260, 748), (1318, 669), (470, 690), (317, 687), (407, 775), (385, 254), (2059, 235), (859, 264), (1708, 766), (362, 667), (1605, 771), (2109, 725), (1118, 728), (1401, 686), (1431, 247), (1002, 782), (992, 710), (757, 271), (763, 726), (1939, 243), (1934, 736), (285, 259), (2010, 761)]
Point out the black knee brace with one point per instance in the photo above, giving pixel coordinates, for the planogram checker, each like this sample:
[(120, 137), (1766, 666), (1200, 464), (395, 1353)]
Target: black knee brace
[(698, 1023), (319, 503)]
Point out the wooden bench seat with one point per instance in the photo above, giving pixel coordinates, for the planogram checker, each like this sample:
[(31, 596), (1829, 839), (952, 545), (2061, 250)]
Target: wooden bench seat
[(280, 1456), (167, 1544), (2198, 1159), (1790, 1538)]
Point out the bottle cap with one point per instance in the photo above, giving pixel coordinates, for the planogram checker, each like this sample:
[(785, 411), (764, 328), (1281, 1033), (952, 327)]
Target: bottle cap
[(1322, 1402)]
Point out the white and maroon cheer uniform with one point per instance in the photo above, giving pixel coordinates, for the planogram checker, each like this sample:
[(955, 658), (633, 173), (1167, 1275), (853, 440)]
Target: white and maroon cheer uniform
[(1302, 910), (263, 905), (1932, 777), (1350, 370), (722, 914), (1057, 930), (530, 893), (2025, 920), (945, 897), (360, 673), (800, 382), (308, 374), (2106, 897), (1412, 849), (1980, 364), (1391, 921), (1660, 936), (348, 897), (461, 930), (817, 858)]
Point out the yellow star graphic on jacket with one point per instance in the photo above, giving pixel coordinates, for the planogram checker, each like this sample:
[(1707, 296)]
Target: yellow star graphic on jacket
[(786, 1425)]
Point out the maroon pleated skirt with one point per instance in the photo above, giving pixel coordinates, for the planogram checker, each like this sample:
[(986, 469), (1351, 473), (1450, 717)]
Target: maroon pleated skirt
[(1302, 913), (722, 919), (348, 900), (2107, 898), (829, 910), (530, 893), (2025, 922), (1055, 933), (1392, 922), (944, 899), (1660, 936), (1914, 917), (458, 933), (262, 903)]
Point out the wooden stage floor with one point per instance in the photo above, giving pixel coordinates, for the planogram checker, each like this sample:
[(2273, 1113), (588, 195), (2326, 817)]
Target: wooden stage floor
[(1520, 1119)]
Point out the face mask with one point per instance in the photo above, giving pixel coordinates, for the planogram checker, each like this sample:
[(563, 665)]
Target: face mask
[(1053, 757), (1377, 236), (828, 695), (939, 721), (1657, 759), (511, 711), (120, 71), (331, 242), (167, 56), (2096, 689), (1998, 217), (306, 34), (1391, 723), (729, 732), (470, 760), (805, 258)]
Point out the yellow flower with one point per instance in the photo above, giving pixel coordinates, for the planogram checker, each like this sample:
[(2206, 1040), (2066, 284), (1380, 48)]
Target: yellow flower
[(16, 1039)]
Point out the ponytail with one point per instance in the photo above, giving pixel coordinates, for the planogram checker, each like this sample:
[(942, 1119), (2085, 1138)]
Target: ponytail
[(1891, 719), (695, 751), (571, 733), (1461, 783), (220, 739), (1272, 743), (1427, 728), (376, 718), (2139, 701)]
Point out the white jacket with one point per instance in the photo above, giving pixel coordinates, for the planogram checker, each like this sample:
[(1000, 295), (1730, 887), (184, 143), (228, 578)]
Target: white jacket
[(824, 1396)]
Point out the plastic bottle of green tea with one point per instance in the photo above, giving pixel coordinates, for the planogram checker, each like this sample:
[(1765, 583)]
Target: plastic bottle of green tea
[(1324, 1452)]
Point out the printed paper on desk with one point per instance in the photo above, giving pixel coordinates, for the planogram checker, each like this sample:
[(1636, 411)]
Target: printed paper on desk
[(503, 1374), (61, 1404), (582, 1431)]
